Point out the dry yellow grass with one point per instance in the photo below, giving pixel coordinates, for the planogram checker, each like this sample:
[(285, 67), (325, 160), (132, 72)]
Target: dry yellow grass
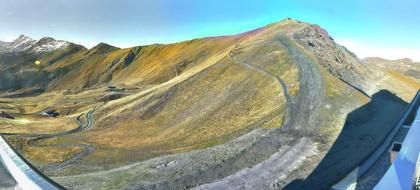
[(48, 155), (405, 79), (194, 112), (32, 125)]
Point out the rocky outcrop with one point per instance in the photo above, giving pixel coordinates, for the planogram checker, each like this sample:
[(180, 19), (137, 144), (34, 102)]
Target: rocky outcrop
[(337, 59)]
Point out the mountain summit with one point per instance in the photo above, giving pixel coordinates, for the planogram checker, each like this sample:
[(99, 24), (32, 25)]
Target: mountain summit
[(102, 48)]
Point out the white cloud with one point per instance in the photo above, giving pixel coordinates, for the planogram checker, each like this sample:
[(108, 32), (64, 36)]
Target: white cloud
[(363, 51)]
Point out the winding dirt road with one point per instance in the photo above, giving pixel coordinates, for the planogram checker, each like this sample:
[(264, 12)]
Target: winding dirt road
[(300, 121), (276, 78), (311, 93), (87, 149)]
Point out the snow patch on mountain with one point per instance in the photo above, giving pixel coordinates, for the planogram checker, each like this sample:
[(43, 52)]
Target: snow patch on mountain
[(49, 44)]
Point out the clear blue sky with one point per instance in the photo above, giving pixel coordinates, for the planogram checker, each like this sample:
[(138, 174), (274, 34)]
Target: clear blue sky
[(372, 24)]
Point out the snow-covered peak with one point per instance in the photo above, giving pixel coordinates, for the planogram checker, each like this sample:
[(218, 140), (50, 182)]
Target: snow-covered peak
[(21, 43), (25, 43), (22, 39)]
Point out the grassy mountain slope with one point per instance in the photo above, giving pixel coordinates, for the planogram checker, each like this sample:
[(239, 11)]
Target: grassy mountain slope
[(193, 112)]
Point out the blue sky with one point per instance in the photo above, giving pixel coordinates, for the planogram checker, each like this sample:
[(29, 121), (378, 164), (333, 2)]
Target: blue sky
[(366, 27)]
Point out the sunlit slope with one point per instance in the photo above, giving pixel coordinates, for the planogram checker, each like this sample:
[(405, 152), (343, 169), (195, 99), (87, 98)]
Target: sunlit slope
[(139, 66), (202, 111)]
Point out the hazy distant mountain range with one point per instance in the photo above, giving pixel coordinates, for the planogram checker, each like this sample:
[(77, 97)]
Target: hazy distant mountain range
[(25, 43)]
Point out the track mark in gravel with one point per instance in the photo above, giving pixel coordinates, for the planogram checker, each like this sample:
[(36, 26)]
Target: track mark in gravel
[(259, 176), (311, 91)]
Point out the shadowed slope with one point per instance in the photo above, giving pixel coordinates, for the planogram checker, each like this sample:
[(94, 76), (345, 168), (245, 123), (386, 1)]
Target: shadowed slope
[(365, 129)]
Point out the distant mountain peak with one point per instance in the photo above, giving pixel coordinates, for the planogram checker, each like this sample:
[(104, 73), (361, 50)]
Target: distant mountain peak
[(102, 48), (21, 43), (102, 44), (394, 61), (46, 40), (406, 60), (23, 38)]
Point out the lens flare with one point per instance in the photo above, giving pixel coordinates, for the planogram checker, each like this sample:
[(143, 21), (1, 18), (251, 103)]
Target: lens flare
[(37, 62)]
